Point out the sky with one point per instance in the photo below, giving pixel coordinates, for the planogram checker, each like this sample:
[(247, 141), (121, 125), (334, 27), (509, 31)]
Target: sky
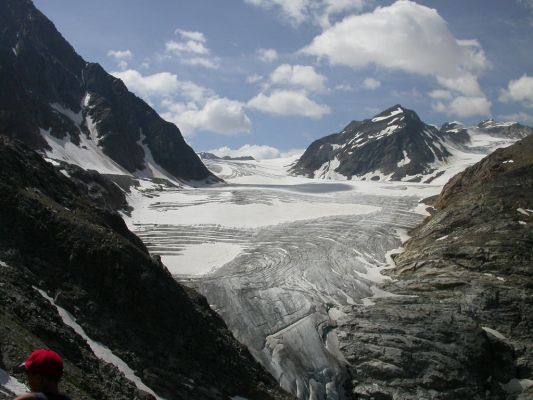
[(267, 77)]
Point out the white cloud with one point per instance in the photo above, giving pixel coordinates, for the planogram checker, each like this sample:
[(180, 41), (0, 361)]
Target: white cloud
[(200, 109), (298, 75), (440, 94), (288, 103), (259, 152), (519, 90), (371, 83), (196, 36), (345, 87), (404, 36), (254, 78), (190, 46), (522, 117), (202, 62), (160, 84), (267, 55), (191, 50), (463, 106), (218, 115), (122, 57), (318, 12)]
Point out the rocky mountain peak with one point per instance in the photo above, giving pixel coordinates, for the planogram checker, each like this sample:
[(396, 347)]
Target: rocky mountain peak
[(49, 113)]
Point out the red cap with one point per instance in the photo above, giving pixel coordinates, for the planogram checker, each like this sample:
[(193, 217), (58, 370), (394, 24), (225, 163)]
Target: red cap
[(44, 362)]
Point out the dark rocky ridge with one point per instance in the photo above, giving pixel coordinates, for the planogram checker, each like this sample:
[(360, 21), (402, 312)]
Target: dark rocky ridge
[(38, 68), (397, 144), (468, 266), (366, 146), (54, 238)]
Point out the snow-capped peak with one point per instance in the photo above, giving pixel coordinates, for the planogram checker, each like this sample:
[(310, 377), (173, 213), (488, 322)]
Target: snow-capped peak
[(491, 123)]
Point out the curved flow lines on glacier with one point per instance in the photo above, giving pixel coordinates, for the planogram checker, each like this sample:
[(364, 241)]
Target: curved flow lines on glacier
[(282, 294)]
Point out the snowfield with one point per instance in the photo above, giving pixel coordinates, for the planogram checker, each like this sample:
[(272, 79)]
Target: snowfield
[(279, 256)]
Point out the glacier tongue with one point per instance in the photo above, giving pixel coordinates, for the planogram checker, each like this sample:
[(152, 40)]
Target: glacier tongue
[(283, 294)]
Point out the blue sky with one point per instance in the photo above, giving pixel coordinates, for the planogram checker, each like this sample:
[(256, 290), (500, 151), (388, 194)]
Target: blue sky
[(264, 77)]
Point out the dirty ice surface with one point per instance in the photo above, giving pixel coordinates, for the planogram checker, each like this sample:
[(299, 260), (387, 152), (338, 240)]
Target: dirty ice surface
[(277, 256)]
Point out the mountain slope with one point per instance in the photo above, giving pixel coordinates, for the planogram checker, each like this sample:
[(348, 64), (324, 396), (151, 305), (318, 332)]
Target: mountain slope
[(458, 325), (394, 142), (58, 248), (397, 145), (74, 111)]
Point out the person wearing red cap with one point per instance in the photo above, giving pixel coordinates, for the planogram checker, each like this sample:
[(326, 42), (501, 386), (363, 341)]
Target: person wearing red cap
[(44, 369)]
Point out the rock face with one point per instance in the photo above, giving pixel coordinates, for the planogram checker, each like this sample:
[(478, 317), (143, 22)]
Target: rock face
[(397, 145), (57, 247), (55, 102), (459, 325), (395, 142)]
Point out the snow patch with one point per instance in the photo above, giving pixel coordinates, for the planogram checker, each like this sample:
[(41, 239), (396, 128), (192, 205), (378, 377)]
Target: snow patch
[(12, 384), (392, 114), (151, 169), (406, 160), (522, 211), (494, 333), (201, 259), (100, 350), (88, 155)]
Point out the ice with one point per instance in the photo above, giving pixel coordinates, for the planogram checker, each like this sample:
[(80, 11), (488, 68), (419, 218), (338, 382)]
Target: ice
[(494, 333), (100, 350), (201, 259), (152, 169), (404, 161), (12, 384), (299, 250)]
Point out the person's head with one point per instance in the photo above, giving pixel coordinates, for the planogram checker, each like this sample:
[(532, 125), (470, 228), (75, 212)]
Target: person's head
[(44, 369)]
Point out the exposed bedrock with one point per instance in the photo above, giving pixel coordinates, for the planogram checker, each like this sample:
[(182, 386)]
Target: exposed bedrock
[(462, 327)]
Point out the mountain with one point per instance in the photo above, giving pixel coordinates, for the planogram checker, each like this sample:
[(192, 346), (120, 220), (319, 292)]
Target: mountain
[(397, 145), (456, 323), (210, 156), (74, 278), (74, 111)]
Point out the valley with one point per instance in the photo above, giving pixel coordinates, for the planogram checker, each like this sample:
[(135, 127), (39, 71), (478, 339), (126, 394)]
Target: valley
[(278, 257)]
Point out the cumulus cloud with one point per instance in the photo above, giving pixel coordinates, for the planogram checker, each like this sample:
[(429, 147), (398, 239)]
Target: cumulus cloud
[(371, 83), (318, 12), (254, 78), (409, 37), (463, 106), (405, 36), (522, 117), (219, 115), (440, 94), (259, 152), (267, 55), (345, 87), (191, 49), (288, 103), (160, 84), (122, 57), (298, 75), (196, 36), (519, 90), (190, 106)]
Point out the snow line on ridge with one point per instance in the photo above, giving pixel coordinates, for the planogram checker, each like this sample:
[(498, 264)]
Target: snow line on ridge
[(100, 350)]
